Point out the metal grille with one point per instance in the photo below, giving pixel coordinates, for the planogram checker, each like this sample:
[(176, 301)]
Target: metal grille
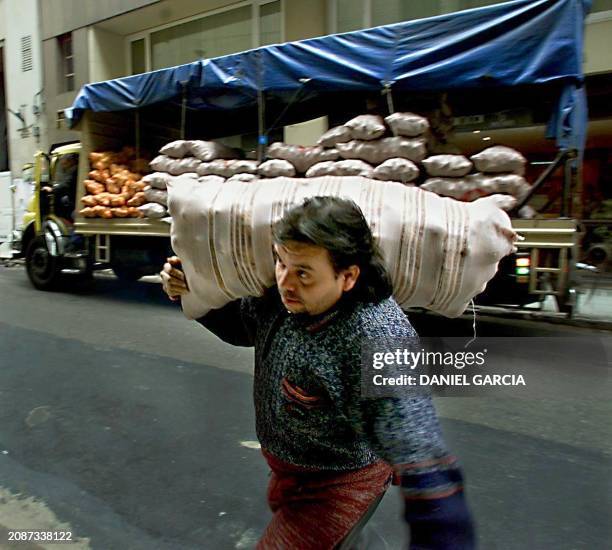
[(26, 53)]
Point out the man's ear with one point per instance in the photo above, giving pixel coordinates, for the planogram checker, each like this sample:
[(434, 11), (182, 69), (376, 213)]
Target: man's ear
[(350, 276)]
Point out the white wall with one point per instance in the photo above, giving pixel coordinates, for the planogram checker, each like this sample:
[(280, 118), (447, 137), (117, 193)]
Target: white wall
[(2, 20), (6, 211), (597, 42), (106, 55), (21, 19)]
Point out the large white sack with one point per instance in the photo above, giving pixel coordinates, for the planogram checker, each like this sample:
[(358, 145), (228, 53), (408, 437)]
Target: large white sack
[(159, 196), (499, 158), (300, 156), (211, 150), (366, 127), (352, 167), (510, 184), (440, 252), (474, 186), (176, 149), (276, 167), (338, 134), (447, 166), (380, 150), (228, 168), (407, 124), (396, 169), (157, 180), (154, 210), (176, 167)]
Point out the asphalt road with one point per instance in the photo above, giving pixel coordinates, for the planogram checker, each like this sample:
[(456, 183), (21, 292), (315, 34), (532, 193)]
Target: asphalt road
[(133, 427)]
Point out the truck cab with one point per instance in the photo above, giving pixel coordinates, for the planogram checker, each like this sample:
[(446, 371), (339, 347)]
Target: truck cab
[(48, 242)]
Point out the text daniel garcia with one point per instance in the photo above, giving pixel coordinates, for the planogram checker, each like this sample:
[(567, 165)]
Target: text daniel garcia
[(450, 380)]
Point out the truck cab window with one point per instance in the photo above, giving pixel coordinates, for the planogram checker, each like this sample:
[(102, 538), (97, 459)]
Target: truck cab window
[(64, 184)]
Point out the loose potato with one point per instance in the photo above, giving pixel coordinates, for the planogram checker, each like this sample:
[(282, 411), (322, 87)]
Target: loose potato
[(94, 187), (117, 200), (87, 212), (89, 200), (103, 199), (134, 212), (137, 200), (121, 212)]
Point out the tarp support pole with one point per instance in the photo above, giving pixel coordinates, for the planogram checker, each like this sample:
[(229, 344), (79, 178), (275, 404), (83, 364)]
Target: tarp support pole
[(562, 155), (569, 176), (183, 110), (137, 123), (261, 114), (387, 91)]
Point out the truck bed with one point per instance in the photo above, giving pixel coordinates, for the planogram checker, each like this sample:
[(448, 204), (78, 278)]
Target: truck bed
[(111, 131), (122, 226)]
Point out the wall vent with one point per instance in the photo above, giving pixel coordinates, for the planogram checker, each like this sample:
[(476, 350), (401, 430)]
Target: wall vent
[(26, 53)]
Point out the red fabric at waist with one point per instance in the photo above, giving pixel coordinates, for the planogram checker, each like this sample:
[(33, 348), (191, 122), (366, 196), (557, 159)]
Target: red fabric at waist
[(315, 509)]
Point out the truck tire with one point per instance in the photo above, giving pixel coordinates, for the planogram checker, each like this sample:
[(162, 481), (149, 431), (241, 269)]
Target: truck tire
[(44, 270)]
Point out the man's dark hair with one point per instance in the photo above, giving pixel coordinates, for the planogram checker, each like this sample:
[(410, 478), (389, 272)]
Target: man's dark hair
[(339, 226)]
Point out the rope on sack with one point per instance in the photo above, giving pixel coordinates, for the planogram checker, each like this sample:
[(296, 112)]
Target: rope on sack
[(473, 324)]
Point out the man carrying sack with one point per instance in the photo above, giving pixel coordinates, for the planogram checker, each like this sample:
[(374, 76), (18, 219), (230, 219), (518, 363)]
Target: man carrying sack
[(333, 452)]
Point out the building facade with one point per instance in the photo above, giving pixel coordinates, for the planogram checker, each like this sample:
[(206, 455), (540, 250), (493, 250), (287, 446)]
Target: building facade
[(22, 109)]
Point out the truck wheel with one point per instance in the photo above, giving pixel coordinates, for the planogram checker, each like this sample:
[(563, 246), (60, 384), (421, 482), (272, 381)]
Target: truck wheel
[(128, 274), (44, 270)]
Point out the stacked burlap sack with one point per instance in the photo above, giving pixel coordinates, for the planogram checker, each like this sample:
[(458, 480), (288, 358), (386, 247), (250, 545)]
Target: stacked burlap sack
[(389, 149), (440, 252), (204, 161), (114, 185), (361, 147), (499, 170)]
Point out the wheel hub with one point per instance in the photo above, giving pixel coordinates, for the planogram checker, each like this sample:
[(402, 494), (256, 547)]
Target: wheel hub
[(40, 261)]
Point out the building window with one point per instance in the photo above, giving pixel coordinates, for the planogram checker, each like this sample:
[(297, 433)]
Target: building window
[(60, 119), (66, 62), (138, 56), (350, 15), (601, 5), (224, 32), (385, 12), (270, 23), (212, 36)]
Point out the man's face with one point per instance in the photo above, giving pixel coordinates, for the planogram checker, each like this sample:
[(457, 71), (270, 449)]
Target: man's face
[(306, 278)]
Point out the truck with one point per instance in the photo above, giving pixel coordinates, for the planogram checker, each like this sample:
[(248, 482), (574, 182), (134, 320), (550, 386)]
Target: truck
[(259, 91), (60, 247)]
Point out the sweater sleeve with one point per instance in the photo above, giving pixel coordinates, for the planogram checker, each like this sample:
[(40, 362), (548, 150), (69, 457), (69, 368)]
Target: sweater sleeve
[(234, 323), (405, 432)]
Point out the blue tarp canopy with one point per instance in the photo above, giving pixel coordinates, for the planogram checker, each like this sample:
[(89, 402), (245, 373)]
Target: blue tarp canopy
[(518, 43)]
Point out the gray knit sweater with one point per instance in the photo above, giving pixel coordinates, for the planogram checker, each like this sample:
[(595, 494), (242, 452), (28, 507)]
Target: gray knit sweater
[(307, 388)]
